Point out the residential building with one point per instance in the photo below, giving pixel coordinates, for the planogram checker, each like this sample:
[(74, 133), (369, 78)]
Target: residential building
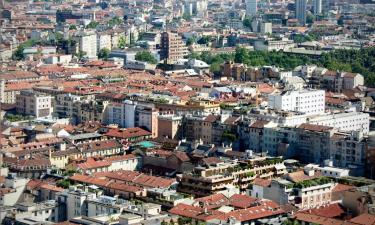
[(34, 104), (2, 91), (304, 189), (266, 28), (13, 190), (301, 10), (251, 7), (239, 209), (316, 143), (40, 212), (133, 114), (217, 178), (104, 41), (64, 106), (339, 81), (345, 122), (329, 171), (172, 47), (169, 126), (87, 42), (306, 101), (318, 7)]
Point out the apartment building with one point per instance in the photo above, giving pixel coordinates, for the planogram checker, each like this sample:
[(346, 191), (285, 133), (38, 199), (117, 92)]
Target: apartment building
[(172, 47), (90, 110), (87, 43), (104, 40), (64, 106), (34, 104), (306, 101), (133, 114), (304, 189), (169, 126), (339, 81), (345, 121), (211, 179), (316, 143)]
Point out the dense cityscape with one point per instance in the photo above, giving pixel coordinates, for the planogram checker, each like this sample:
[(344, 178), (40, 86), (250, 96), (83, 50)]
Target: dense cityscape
[(178, 112)]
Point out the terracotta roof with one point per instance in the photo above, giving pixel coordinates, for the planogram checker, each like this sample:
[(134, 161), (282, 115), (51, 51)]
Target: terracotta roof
[(301, 176), (252, 213), (183, 156), (231, 120), (365, 219), (211, 160), (262, 182), (242, 201), (18, 86), (101, 182), (92, 164), (342, 187), (127, 133), (259, 124), (124, 187), (330, 211), (213, 201), (121, 158), (211, 118), (195, 212), (320, 220), (51, 187), (99, 145), (315, 128), (136, 178)]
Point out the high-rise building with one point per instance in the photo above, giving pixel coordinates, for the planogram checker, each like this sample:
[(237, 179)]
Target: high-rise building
[(301, 11), (172, 47), (317, 7), (87, 43), (251, 7)]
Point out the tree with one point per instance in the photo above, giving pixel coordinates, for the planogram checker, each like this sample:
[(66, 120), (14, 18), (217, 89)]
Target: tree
[(145, 56), (241, 55), (121, 42), (115, 21), (186, 16), (310, 18), (72, 27), (80, 54), (18, 53), (92, 25), (104, 53), (247, 22), (203, 40), (190, 41)]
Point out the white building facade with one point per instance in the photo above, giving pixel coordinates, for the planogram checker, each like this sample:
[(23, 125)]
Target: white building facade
[(310, 102)]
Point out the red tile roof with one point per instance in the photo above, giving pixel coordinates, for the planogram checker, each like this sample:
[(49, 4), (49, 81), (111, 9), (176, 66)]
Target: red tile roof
[(310, 218), (127, 133), (342, 187), (313, 127), (195, 212), (301, 176), (330, 211), (213, 201), (91, 163), (242, 201), (252, 213), (364, 219), (262, 182)]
